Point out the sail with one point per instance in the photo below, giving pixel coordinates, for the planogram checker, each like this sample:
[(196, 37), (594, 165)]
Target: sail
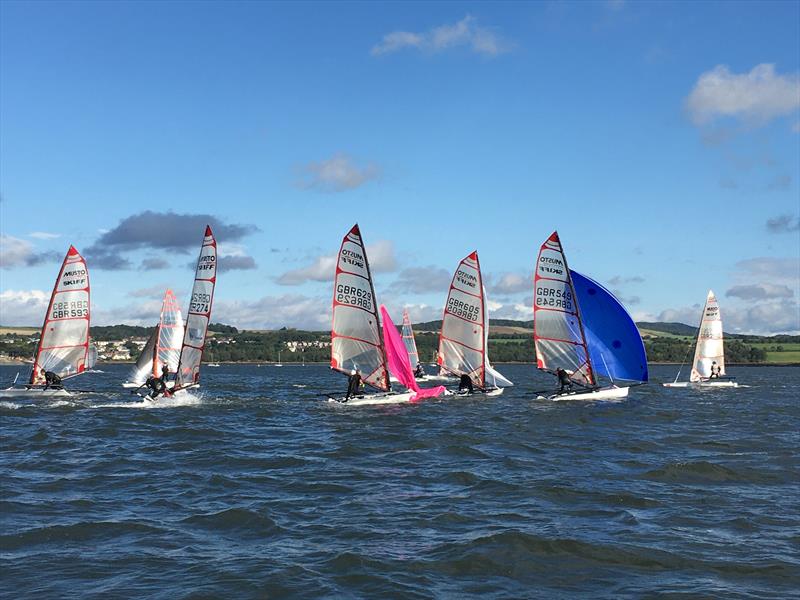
[(64, 345), (399, 363), (164, 345), (615, 345), (408, 340), (197, 319), (557, 329), (462, 341), (356, 341), (492, 378), (709, 348)]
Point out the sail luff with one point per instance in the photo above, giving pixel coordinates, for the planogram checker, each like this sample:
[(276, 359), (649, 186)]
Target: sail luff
[(199, 314), (64, 340), (559, 337)]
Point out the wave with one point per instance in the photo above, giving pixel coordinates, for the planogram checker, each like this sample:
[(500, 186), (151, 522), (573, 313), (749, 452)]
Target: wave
[(705, 472), (76, 532), (239, 520), (177, 401)]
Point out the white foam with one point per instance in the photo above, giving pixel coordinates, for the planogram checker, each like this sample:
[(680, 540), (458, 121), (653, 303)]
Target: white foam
[(182, 398), (10, 405)]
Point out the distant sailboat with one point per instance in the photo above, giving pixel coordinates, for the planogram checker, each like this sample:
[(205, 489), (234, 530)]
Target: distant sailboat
[(464, 338), (708, 366), (278, 364), (411, 347), (64, 345), (199, 315), (163, 346), (581, 327)]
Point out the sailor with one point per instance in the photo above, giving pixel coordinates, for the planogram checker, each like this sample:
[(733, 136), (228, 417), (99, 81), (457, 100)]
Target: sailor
[(715, 370), (465, 383), (156, 385), (564, 380), (419, 371), (353, 384), (164, 376), (51, 380)]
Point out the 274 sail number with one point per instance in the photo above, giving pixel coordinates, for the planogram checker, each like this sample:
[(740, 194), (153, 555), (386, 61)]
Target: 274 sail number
[(200, 303)]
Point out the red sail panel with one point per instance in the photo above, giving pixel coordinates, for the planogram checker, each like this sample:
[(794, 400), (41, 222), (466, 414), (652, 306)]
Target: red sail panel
[(64, 342), (557, 328), (462, 343), (356, 341), (199, 315)]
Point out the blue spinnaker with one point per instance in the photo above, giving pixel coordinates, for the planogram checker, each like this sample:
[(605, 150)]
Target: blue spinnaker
[(615, 346)]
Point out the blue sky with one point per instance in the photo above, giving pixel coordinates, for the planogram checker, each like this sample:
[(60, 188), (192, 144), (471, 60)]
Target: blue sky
[(662, 140)]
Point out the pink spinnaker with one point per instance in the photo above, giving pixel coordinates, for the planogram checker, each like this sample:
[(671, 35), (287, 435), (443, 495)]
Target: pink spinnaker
[(399, 363)]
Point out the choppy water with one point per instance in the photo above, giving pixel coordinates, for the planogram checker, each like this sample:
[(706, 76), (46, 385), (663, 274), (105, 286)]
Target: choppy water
[(260, 489)]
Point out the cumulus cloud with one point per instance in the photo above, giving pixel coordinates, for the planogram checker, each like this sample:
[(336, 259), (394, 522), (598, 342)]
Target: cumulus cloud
[(755, 97), (274, 312), (235, 263), (43, 235), (512, 283), (23, 308), (168, 231), (760, 291), (420, 280), (464, 33), (381, 255), (776, 270), (15, 252), (336, 174), (760, 318), (783, 224)]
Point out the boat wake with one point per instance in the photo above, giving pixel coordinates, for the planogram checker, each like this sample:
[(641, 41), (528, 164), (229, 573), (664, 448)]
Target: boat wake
[(180, 400)]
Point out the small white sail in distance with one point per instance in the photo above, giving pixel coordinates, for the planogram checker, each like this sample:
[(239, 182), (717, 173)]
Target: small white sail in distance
[(709, 348)]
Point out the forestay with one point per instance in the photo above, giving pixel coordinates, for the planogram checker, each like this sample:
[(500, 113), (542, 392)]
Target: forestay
[(356, 341), (615, 345), (64, 347), (397, 357), (409, 341), (164, 345), (194, 338), (557, 328), (709, 342)]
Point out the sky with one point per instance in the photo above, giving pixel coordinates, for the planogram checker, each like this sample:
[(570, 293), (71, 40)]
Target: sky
[(660, 139)]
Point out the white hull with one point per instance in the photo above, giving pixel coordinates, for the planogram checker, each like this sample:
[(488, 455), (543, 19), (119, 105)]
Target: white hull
[(490, 393), (607, 393), (33, 393), (393, 379), (702, 384), (374, 399), (128, 384)]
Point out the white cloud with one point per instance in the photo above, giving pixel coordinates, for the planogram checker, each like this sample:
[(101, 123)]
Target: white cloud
[(760, 291), (512, 283), (420, 280), (465, 32), (772, 270), (43, 235), (336, 174), (755, 97), (760, 318), (381, 255), (23, 307), (274, 312), (15, 252)]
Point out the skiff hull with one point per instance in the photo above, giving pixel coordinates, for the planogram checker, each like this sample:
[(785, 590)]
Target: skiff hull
[(606, 393)]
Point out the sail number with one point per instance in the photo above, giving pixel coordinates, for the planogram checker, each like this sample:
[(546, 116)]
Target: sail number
[(548, 297), (69, 310), (200, 303), (462, 309), (353, 296)]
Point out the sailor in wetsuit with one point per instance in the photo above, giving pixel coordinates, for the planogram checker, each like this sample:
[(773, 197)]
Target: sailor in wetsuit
[(51, 380), (419, 371), (158, 385), (564, 380), (715, 370), (353, 384), (465, 383)]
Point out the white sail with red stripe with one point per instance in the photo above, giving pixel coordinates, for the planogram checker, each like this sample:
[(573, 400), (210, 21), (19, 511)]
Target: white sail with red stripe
[(164, 346), (709, 351), (557, 328), (64, 347), (356, 341), (409, 341), (199, 315)]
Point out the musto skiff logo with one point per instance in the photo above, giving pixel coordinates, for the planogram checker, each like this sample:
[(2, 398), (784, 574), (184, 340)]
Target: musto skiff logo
[(206, 263), (70, 310), (462, 309), (466, 279), (74, 278), (549, 266), (354, 296), (554, 297), (355, 259)]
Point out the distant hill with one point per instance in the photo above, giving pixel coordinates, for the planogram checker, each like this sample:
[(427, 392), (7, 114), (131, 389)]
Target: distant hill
[(673, 328)]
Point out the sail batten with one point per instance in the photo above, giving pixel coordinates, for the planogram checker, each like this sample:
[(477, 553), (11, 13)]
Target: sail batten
[(199, 314), (64, 346), (356, 341)]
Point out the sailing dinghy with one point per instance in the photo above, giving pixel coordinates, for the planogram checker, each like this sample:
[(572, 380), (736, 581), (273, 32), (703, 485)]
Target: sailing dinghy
[(187, 374), (709, 353), (464, 338), (581, 327), (64, 345), (411, 347), (163, 347), (356, 340)]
